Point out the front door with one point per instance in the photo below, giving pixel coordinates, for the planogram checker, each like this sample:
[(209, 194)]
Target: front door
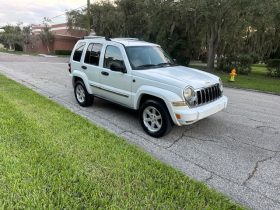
[(115, 81)]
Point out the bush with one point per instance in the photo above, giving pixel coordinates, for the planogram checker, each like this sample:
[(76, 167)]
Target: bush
[(203, 58), (241, 63), (255, 58), (63, 52), (273, 66), (226, 64), (244, 64)]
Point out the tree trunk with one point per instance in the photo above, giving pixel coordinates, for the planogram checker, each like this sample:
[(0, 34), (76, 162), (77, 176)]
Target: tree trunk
[(10, 47), (212, 46), (211, 55), (48, 49)]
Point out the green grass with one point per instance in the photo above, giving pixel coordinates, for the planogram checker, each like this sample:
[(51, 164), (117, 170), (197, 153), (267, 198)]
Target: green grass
[(51, 158), (17, 52), (256, 80), (33, 54), (260, 69)]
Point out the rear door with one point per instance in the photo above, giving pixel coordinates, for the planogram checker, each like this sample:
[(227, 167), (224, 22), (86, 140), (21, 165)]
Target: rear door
[(77, 56), (91, 64)]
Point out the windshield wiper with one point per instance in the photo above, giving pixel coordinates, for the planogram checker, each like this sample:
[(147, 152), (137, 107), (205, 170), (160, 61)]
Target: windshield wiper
[(156, 65), (165, 64), (146, 66)]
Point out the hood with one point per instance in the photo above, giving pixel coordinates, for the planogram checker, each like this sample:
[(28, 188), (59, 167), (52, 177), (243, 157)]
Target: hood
[(179, 76)]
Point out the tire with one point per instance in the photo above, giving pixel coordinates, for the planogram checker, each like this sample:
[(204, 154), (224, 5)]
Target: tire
[(81, 94), (154, 118)]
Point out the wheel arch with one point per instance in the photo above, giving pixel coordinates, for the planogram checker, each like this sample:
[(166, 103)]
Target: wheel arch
[(79, 76), (164, 96)]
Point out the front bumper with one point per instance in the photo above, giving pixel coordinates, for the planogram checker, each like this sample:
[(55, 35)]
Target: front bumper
[(189, 116)]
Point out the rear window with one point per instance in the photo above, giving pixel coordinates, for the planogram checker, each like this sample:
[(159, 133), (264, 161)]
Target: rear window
[(79, 51), (93, 54)]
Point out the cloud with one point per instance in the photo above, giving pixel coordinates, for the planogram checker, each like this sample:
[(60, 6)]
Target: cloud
[(33, 12)]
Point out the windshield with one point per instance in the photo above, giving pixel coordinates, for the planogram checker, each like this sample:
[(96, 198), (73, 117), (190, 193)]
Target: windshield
[(147, 57)]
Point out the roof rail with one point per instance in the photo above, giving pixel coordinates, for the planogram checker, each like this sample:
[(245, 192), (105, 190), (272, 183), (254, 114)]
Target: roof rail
[(128, 39), (94, 37)]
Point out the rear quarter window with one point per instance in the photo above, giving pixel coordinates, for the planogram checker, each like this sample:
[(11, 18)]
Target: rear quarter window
[(79, 51)]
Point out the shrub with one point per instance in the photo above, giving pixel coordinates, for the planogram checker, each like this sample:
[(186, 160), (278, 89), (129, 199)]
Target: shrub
[(241, 63), (256, 58), (273, 66), (226, 64), (244, 64), (63, 52), (203, 57)]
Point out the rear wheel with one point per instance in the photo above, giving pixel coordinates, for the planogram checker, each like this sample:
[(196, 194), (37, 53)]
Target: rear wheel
[(155, 118), (82, 96)]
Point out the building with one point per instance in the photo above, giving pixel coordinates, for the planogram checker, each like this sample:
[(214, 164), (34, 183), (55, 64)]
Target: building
[(64, 39)]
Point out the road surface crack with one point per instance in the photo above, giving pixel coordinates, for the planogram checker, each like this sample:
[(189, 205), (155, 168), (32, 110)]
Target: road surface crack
[(255, 169), (252, 145), (200, 139), (175, 141), (209, 178)]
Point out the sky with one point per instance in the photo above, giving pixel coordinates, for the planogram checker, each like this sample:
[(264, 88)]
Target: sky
[(33, 11)]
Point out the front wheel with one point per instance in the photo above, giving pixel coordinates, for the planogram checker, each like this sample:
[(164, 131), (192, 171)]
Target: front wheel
[(155, 118), (82, 96)]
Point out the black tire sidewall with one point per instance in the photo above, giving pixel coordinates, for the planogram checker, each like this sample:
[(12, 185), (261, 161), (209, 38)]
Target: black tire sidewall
[(166, 120), (88, 98)]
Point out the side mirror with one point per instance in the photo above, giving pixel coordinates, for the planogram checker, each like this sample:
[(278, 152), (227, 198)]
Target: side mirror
[(119, 68)]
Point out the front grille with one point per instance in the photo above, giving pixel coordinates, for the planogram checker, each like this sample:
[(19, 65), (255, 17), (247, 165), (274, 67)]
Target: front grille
[(207, 95)]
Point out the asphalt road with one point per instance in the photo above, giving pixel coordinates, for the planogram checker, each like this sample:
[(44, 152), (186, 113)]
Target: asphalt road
[(236, 151)]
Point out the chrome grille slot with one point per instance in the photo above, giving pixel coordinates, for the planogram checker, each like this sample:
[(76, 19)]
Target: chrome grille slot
[(207, 95)]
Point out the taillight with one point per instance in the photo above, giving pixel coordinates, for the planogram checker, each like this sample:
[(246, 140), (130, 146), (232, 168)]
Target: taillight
[(69, 68)]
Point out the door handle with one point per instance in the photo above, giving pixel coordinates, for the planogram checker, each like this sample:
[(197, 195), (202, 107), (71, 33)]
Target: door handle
[(105, 73), (84, 67)]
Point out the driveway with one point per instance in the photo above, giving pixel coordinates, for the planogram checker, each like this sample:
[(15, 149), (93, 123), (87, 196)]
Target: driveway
[(236, 151)]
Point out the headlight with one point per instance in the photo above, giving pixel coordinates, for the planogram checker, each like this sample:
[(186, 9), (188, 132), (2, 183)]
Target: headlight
[(221, 85), (188, 93)]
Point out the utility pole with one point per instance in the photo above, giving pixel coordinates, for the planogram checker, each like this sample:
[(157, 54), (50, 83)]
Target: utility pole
[(88, 16)]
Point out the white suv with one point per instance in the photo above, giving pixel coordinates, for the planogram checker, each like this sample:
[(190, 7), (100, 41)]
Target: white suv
[(141, 76)]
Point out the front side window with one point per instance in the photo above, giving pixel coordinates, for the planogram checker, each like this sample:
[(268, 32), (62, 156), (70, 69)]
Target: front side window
[(113, 58), (93, 54), (146, 57), (79, 51)]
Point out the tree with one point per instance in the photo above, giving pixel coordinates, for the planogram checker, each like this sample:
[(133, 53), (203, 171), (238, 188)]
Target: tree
[(11, 36), (46, 35), (76, 18), (188, 28), (26, 36)]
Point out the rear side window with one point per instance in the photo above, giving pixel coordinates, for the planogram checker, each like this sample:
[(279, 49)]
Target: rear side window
[(93, 54), (79, 51)]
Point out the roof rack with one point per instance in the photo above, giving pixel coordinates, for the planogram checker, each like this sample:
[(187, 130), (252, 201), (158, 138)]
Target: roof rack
[(94, 37), (127, 39), (111, 39), (97, 37)]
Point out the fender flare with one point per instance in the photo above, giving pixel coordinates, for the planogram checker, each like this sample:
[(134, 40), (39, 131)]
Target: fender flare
[(82, 76), (166, 95)]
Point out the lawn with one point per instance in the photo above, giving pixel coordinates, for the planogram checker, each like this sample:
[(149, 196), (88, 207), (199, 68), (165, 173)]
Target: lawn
[(29, 53), (257, 80), (51, 158), (17, 52)]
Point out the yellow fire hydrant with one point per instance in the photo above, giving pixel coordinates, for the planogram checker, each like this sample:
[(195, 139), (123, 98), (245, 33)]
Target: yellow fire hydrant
[(232, 75)]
